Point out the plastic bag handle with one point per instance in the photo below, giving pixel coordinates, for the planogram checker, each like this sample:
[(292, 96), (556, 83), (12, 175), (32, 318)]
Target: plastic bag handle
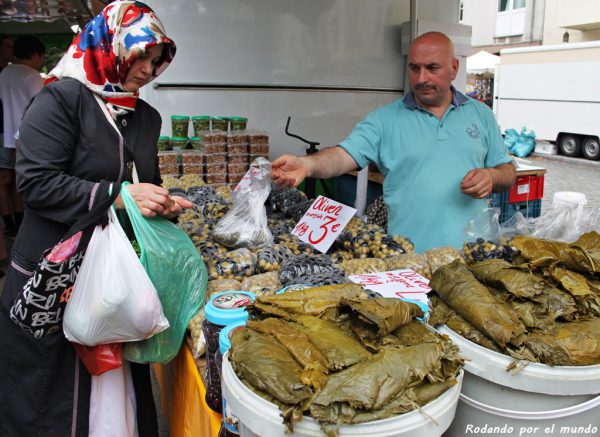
[(94, 215)]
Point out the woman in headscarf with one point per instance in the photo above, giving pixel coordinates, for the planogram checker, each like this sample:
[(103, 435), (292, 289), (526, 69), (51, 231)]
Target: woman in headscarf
[(70, 153)]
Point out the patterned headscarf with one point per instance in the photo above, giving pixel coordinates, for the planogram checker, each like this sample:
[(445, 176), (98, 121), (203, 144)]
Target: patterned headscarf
[(102, 54)]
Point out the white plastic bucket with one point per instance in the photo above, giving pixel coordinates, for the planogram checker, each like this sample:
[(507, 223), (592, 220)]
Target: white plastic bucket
[(571, 199), (535, 378), (259, 417), (476, 418)]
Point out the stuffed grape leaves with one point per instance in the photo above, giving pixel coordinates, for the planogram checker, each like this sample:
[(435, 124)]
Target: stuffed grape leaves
[(457, 286)]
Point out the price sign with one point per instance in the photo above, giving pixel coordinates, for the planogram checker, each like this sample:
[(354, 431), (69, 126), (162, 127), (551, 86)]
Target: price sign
[(323, 223), (404, 283), (247, 179)]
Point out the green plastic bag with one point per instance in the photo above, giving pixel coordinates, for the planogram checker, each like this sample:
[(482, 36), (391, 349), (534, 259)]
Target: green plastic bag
[(177, 272)]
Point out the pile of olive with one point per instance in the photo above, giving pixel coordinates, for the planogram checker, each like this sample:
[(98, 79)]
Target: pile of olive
[(265, 283), (362, 266), (270, 259), (208, 248), (481, 250), (377, 213), (386, 246), (294, 244), (282, 201), (190, 180), (414, 261), (341, 255), (297, 211), (320, 279), (441, 256), (305, 266)]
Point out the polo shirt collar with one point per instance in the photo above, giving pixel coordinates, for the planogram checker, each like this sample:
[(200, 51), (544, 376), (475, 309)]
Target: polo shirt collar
[(458, 99)]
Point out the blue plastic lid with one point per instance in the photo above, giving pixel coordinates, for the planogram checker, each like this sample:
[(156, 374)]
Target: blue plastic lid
[(228, 307), (224, 342), (421, 305)]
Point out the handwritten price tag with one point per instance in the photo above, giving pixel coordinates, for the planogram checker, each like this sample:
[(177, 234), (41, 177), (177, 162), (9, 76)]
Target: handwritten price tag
[(323, 222), (404, 283)]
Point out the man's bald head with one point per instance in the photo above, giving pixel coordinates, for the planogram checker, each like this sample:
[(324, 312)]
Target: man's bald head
[(432, 68)]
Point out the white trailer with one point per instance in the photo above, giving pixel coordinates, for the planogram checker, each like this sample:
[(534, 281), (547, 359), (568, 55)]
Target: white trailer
[(555, 91)]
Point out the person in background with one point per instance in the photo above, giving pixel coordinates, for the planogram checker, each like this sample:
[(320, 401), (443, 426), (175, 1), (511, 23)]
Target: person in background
[(19, 83), (69, 155), (440, 152), (6, 56)]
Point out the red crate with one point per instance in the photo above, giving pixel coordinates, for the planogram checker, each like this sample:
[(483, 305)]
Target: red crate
[(526, 188)]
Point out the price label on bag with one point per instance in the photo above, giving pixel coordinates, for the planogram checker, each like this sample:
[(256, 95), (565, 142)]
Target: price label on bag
[(247, 179), (323, 223), (405, 283)]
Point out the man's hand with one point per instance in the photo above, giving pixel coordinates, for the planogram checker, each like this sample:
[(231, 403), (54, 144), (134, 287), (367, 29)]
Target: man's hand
[(288, 171), (478, 183)]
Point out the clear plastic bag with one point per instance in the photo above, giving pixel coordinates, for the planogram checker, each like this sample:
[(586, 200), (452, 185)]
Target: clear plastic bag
[(195, 328), (113, 299), (362, 266), (485, 224), (221, 285), (236, 264), (414, 261), (265, 283), (441, 256), (320, 279), (177, 272), (245, 225)]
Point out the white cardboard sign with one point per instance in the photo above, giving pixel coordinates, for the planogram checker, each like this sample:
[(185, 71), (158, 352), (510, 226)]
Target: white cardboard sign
[(323, 223), (405, 283)]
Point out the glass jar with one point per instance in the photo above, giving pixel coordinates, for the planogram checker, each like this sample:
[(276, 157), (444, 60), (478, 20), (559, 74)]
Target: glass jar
[(197, 143), (179, 143), (164, 143), (221, 310), (238, 123), (219, 123), (230, 425), (200, 123), (179, 125)]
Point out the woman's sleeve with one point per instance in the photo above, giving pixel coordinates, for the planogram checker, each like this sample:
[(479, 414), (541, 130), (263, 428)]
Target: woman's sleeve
[(49, 134)]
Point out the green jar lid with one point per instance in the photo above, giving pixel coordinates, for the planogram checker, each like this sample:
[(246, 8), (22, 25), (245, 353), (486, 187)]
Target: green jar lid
[(180, 139), (180, 117), (239, 118), (196, 139), (201, 117), (164, 138), (217, 118)]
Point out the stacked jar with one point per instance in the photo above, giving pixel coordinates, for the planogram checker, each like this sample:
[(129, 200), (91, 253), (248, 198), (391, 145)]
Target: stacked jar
[(219, 123), (164, 143), (180, 125), (237, 157), (221, 310), (215, 157), (238, 123), (201, 124), (258, 145), (230, 425)]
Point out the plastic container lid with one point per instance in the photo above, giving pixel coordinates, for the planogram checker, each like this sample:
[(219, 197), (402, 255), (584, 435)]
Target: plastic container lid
[(180, 139), (196, 139), (201, 117), (239, 118), (164, 138), (180, 117), (224, 342), (228, 307)]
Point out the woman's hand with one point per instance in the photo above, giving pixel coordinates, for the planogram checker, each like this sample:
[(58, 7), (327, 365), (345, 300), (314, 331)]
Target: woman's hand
[(151, 200), (176, 205)]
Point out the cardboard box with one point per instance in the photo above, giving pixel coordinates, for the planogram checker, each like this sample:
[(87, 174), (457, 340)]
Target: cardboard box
[(545, 148)]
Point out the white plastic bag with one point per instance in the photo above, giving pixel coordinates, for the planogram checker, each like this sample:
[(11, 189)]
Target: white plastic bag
[(113, 299), (113, 404)]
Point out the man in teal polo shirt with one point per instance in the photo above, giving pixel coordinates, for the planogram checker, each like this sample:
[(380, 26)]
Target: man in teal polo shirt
[(441, 153)]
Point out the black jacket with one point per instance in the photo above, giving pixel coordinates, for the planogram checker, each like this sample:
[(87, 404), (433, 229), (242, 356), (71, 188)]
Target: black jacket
[(69, 154)]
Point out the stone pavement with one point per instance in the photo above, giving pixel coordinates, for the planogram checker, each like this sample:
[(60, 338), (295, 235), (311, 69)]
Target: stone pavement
[(568, 174)]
